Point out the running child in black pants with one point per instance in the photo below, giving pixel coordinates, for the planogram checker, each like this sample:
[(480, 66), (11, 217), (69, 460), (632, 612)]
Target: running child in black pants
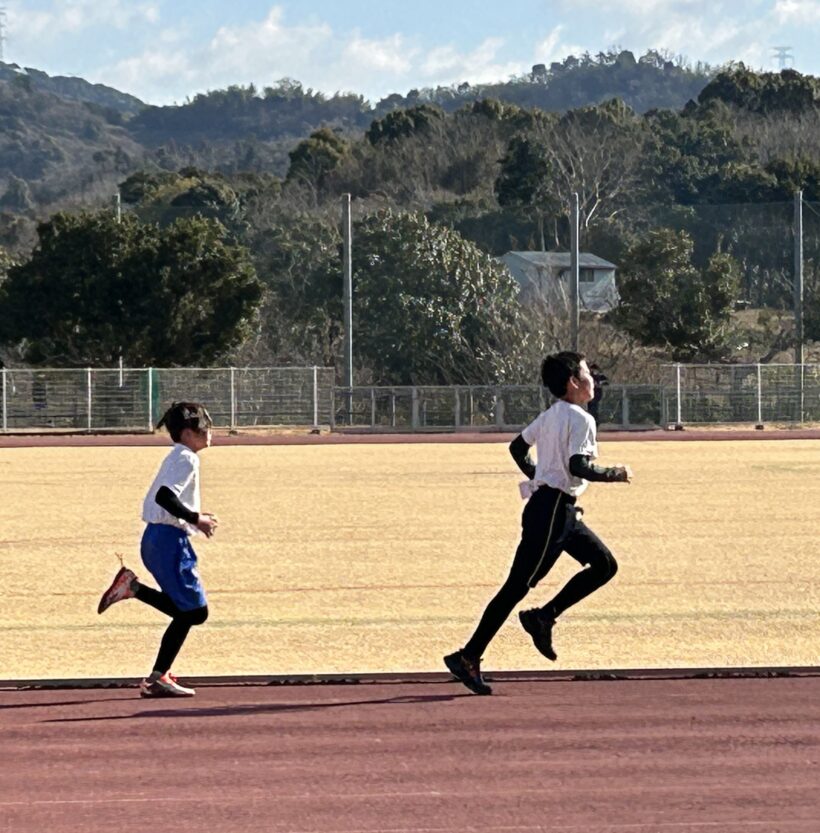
[(565, 440)]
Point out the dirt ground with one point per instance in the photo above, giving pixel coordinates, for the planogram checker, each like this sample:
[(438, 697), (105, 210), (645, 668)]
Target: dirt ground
[(356, 558)]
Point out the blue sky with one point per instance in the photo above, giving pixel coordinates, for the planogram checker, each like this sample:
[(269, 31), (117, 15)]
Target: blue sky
[(166, 50)]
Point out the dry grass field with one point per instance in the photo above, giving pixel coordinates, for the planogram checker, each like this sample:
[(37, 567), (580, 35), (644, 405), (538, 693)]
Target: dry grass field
[(362, 558)]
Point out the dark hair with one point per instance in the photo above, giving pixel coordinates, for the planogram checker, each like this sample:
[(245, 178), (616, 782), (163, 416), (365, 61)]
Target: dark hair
[(557, 370), (182, 415)]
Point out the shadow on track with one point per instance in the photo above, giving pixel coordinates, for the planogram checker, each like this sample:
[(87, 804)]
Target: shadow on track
[(261, 708), (51, 704)]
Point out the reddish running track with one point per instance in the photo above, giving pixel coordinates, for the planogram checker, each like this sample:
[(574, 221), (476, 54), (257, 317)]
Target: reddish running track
[(639, 756)]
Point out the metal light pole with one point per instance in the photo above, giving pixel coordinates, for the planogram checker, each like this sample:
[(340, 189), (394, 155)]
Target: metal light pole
[(347, 257), (575, 275), (798, 296), (798, 277)]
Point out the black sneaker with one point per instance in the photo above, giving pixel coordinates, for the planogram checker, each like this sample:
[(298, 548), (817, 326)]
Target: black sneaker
[(540, 629), (467, 671)]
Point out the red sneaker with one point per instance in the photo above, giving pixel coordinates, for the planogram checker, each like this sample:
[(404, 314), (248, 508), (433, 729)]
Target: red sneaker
[(120, 589), (164, 686)]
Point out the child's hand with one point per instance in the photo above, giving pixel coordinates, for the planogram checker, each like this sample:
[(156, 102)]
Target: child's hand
[(624, 474), (207, 523)]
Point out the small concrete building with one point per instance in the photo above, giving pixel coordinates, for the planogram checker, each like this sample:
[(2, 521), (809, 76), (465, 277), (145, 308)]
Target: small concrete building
[(546, 276)]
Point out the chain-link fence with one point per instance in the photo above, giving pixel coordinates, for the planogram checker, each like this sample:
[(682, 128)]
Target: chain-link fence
[(481, 408), (749, 393), (688, 395), (133, 399)]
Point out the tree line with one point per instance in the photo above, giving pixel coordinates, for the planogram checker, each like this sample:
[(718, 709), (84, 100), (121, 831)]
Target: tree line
[(693, 205)]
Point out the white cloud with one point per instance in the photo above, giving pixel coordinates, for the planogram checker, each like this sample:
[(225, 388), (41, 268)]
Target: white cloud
[(799, 12), (265, 51), (711, 30), (261, 51), (446, 65), (552, 48), (391, 55), (644, 8), (265, 47), (74, 16)]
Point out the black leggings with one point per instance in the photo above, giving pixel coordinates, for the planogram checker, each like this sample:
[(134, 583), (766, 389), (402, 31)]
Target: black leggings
[(177, 631), (550, 525)]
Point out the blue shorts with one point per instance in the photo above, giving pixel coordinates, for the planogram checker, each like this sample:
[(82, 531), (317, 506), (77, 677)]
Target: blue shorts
[(167, 553)]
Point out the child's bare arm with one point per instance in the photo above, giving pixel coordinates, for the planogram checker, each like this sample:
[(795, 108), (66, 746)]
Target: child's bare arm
[(520, 451)]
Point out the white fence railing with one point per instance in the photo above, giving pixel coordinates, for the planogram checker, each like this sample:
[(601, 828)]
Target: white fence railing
[(134, 399)]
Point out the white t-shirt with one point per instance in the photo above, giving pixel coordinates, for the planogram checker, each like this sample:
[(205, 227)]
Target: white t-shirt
[(180, 473), (561, 432)]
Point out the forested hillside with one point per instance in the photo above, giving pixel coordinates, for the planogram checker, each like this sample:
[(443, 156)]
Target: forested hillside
[(686, 180), (250, 129)]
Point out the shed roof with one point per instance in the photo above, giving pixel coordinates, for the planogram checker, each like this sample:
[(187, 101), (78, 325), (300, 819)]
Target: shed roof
[(561, 260)]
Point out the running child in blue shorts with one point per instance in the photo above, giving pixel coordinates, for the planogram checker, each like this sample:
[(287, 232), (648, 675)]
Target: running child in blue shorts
[(172, 514)]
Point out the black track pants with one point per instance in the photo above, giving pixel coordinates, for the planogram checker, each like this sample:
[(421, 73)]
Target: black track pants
[(550, 525)]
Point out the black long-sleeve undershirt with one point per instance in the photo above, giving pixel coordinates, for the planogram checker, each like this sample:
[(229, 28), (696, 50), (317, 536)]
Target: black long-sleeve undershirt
[(520, 451), (582, 466), (579, 465), (174, 506)]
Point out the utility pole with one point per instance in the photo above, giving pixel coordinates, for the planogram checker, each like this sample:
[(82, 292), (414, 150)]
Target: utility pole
[(798, 277), (347, 257), (117, 200), (798, 299), (574, 273), (2, 33)]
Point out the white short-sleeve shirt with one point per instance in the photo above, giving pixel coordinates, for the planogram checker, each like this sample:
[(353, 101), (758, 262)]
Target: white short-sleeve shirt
[(180, 473), (561, 432)]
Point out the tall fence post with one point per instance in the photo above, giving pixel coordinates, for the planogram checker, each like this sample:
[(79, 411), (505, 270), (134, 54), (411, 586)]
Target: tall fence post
[(372, 407), (802, 394), (88, 398), (625, 407), (457, 407), (233, 398), (759, 398), (414, 408), (679, 421), (150, 387), (663, 399), (5, 404), (315, 396)]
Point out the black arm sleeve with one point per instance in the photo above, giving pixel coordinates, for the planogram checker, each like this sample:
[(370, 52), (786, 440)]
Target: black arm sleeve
[(581, 466), (521, 454), (174, 506)]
